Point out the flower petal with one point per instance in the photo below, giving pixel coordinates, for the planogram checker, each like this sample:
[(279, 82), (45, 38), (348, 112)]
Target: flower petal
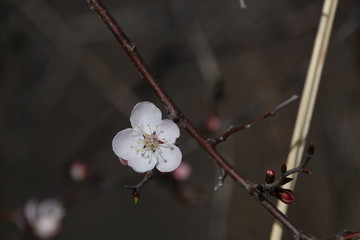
[(52, 208), (30, 210), (145, 116), (141, 164), (123, 162), (167, 131), (124, 143), (169, 159)]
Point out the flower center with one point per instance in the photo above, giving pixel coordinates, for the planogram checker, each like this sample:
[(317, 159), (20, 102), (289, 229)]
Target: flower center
[(151, 142)]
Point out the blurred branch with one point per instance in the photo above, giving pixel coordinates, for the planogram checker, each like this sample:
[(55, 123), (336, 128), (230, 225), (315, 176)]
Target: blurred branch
[(177, 115), (69, 42), (242, 4)]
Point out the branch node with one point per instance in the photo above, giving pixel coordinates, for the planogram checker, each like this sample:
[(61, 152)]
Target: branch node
[(131, 46), (222, 178), (211, 141), (138, 187)]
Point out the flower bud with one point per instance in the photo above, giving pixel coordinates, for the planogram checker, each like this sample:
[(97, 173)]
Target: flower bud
[(182, 173), (79, 171), (212, 123), (310, 149), (270, 176), (283, 168), (286, 196)]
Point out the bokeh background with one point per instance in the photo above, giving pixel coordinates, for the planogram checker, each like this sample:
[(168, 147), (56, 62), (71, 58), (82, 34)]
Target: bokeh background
[(66, 88)]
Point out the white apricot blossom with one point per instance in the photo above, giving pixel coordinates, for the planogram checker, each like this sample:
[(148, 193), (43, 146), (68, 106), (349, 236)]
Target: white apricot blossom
[(150, 141), (44, 217)]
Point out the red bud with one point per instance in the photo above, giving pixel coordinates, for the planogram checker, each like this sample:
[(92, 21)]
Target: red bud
[(270, 176), (270, 172), (286, 196)]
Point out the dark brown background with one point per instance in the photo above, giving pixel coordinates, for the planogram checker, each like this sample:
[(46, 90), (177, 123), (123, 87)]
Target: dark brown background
[(66, 88)]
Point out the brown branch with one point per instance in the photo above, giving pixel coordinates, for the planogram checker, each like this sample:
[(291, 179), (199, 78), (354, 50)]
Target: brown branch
[(138, 187), (250, 123), (176, 115), (345, 236)]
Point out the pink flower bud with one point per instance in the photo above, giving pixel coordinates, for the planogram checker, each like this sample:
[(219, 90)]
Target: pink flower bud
[(270, 176), (79, 171), (270, 172), (212, 123), (286, 196), (182, 173)]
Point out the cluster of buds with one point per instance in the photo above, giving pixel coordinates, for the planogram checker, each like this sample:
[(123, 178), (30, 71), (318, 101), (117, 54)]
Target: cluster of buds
[(274, 188), (285, 195)]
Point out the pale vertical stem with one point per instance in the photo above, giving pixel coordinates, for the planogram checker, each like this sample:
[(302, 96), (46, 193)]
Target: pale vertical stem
[(308, 100)]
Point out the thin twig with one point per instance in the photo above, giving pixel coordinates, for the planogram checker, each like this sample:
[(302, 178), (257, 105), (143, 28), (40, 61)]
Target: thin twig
[(177, 115), (269, 187), (250, 123), (138, 187)]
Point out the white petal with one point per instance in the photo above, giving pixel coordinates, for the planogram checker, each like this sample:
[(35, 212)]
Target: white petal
[(30, 210), (124, 143), (141, 164), (170, 158), (167, 131), (145, 116), (123, 162), (46, 227), (51, 208)]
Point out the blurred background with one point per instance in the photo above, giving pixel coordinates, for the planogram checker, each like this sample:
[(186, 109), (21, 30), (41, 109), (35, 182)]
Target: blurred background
[(66, 89)]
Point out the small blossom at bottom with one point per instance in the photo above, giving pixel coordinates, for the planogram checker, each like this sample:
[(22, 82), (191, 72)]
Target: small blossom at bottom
[(150, 142), (44, 217)]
